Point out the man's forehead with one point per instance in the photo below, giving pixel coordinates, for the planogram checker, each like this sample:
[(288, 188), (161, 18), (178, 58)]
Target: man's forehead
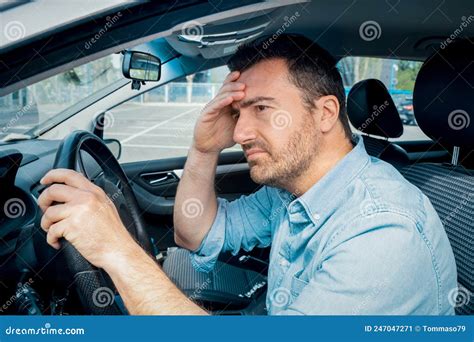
[(263, 82), (265, 72)]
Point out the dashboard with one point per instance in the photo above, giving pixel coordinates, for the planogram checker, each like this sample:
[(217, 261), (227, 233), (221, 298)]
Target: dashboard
[(34, 278), (18, 206), (20, 240)]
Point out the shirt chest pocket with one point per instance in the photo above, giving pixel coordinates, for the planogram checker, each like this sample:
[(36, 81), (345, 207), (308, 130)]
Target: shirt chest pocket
[(297, 285)]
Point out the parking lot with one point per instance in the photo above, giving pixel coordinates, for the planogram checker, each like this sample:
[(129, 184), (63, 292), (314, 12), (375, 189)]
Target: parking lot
[(154, 131)]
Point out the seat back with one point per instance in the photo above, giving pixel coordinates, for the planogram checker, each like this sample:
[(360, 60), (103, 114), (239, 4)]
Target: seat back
[(371, 110), (444, 110), (450, 190)]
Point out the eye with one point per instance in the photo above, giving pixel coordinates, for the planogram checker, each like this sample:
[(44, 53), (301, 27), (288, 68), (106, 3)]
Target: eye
[(261, 108)]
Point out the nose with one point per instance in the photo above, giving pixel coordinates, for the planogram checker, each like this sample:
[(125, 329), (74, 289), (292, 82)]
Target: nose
[(245, 130)]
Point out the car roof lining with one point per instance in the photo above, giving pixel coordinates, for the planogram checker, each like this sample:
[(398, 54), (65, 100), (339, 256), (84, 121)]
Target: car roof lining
[(408, 30), (335, 27), (29, 63), (35, 25)]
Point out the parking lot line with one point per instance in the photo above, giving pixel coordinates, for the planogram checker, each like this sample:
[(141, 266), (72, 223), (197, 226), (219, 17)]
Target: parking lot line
[(164, 135), (157, 125), (157, 146)]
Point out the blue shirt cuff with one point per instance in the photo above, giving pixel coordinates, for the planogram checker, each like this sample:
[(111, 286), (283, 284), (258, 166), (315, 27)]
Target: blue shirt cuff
[(205, 257)]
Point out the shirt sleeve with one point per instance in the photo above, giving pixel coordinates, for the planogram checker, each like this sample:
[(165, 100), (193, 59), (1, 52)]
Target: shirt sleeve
[(373, 270), (242, 223)]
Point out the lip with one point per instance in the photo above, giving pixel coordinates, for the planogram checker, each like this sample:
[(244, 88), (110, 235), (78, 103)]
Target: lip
[(253, 152)]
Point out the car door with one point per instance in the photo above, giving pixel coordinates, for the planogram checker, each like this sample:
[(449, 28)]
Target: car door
[(155, 183)]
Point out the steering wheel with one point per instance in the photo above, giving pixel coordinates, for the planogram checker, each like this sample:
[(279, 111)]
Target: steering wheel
[(90, 282)]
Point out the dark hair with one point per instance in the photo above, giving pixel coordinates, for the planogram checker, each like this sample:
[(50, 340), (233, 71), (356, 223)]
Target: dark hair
[(312, 69)]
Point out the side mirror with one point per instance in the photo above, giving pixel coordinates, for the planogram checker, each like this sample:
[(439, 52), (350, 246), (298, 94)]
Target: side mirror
[(141, 66), (115, 147)]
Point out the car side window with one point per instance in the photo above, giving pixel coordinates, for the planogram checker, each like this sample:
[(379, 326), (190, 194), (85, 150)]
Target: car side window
[(160, 123), (399, 78)]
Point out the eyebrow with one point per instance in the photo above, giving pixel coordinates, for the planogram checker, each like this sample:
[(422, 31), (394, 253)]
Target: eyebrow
[(252, 101)]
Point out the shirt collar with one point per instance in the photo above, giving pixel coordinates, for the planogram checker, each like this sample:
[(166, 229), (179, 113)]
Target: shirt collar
[(320, 196)]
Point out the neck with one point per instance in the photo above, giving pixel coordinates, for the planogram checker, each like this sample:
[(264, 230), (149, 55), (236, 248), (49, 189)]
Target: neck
[(330, 152)]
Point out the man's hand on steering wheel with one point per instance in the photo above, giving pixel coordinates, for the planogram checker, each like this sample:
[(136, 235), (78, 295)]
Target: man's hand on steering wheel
[(79, 211)]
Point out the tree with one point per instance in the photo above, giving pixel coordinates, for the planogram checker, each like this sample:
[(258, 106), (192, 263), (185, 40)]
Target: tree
[(406, 75), (355, 69)]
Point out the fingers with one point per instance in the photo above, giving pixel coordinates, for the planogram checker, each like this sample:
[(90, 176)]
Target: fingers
[(57, 193), (238, 94), (234, 86), (71, 178), (55, 233), (54, 214), (229, 92), (229, 98), (234, 75), (224, 100)]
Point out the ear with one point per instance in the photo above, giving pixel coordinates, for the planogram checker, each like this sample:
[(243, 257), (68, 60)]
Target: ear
[(329, 106)]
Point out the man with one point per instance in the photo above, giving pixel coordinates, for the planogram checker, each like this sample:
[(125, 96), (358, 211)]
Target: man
[(348, 234)]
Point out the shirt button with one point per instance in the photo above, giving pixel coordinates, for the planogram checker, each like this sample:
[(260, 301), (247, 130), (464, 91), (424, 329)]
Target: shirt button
[(291, 209), (316, 216), (284, 262)]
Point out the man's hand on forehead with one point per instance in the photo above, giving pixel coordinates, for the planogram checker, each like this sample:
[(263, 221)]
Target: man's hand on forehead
[(215, 127)]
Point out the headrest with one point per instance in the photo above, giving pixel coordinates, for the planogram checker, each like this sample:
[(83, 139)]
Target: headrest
[(371, 109), (443, 99)]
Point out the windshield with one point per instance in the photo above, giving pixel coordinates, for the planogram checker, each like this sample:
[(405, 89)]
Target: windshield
[(29, 107)]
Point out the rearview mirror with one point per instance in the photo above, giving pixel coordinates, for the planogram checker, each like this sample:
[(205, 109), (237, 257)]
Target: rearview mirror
[(141, 66)]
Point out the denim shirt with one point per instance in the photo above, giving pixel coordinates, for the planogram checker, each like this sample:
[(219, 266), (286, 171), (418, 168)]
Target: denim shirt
[(361, 241)]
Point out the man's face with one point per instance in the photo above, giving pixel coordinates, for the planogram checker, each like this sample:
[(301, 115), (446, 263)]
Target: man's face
[(277, 132)]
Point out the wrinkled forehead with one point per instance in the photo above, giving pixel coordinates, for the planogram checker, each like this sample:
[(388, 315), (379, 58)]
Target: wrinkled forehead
[(265, 79)]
